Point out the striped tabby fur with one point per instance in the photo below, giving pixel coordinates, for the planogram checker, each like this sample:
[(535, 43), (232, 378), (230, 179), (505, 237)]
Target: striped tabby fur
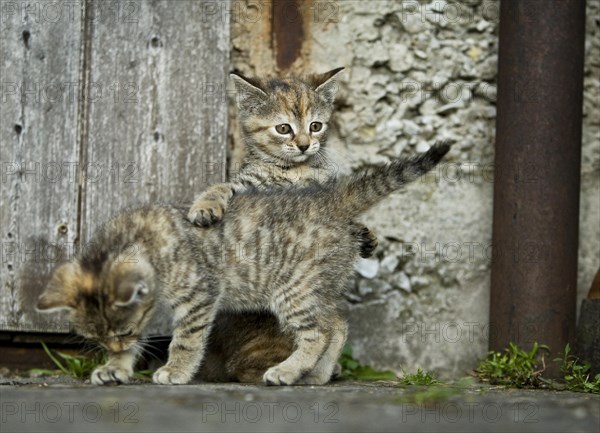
[(294, 155), (287, 251)]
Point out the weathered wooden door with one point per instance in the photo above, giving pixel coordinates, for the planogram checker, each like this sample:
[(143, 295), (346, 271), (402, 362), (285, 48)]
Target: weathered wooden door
[(103, 106)]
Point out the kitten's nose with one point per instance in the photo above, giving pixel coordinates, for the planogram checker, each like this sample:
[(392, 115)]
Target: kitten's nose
[(302, 142), (114, 346)]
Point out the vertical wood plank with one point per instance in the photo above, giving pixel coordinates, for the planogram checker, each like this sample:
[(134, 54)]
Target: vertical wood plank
[(114, 103), (39, 153), (156, 129)]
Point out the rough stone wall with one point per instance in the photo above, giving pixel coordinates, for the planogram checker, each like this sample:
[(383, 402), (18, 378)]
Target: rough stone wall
[(418, 72), (589, 219)]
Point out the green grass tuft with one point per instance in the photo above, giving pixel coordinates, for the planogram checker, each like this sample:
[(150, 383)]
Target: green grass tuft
[(515, 367), (519, 368), (419, 378), (78, 366), (576, 373)]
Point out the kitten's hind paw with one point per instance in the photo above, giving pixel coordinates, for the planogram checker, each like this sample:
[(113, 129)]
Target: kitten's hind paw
[(171, 376), (337, 372), (368, 243), (107, 374), (367, 239), (206, 212), (280, 376)]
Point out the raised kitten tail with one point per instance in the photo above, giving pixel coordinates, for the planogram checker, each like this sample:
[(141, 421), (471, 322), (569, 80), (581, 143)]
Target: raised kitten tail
[(363, 190)]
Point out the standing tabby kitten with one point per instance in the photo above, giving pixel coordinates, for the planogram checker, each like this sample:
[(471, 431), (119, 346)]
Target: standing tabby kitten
[(296, 266), (284, 125)]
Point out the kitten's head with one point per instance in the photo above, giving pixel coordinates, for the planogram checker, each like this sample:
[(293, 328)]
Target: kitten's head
[(110, 306), (286, 119)]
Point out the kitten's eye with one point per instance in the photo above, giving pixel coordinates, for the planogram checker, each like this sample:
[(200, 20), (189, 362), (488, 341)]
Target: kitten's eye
[(283, 129), (316, 126)]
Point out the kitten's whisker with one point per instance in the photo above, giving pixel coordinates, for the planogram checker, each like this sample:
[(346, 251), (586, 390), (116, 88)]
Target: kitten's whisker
[(92, 350), (146, 346)]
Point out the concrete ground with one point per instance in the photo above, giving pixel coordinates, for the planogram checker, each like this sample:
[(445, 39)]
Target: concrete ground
[(66, 405)]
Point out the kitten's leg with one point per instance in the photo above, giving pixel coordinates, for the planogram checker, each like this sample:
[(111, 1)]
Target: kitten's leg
[(298, 313), (310, 344), (187, 346), (367, 239), (118, 368), (324, 370), (209, 207)]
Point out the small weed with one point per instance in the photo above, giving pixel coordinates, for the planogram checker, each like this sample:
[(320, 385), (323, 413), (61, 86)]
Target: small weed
[(519, 368), (515, 367), (418, 378), (78, 366), (352, 369), (576, 374), (143, 374)]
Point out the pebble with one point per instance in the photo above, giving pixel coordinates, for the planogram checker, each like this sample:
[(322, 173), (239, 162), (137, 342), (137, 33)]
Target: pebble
[(351, 297), (389, 263), (489, 112), (402, 281), (438, 5), (411, 128), (364, 288), (428, 107), (474, 52), (420, 54), (422, 147), (482, 25), (418, 282), (412, 23), (367, 268), (450, 107)]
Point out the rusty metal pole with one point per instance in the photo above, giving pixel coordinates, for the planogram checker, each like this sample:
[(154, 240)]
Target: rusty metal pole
[(537, 162), (288, 31)]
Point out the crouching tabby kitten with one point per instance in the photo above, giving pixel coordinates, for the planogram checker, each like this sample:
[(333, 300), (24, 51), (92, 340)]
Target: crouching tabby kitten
[(242, 346), (284, 124), (289, 252)]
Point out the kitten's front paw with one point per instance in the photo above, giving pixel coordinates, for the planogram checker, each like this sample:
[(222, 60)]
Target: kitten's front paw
[(110, 374), (171, 376), (206, 212), (279, 375)]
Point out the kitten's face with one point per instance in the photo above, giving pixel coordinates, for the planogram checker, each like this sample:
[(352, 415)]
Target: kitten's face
[(110, 307), (287, 119), (291, 124)]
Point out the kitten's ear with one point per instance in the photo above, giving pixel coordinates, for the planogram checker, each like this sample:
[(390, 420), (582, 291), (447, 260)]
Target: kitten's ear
[(248, 92), (130, 291), (132, 282), (61, 290), (325, 84)]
